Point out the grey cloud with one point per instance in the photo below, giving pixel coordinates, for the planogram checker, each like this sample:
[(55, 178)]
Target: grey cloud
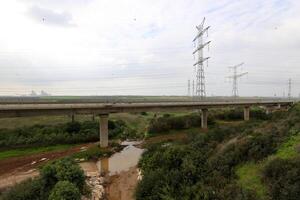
[(50, 17), (58, 2)]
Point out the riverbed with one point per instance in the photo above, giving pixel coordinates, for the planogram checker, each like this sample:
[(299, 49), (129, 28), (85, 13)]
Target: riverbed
[(119, 171)]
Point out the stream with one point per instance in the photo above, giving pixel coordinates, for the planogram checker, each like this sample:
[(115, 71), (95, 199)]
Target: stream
[(118, 174)]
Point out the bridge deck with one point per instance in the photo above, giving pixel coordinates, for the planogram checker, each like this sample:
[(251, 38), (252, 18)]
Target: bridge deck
[(23, 110)]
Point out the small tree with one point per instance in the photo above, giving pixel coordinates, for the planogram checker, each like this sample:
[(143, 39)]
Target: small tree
[(64, 190)]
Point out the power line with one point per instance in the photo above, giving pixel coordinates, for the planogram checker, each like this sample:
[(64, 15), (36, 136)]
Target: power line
[(200, 77), (235, 76)]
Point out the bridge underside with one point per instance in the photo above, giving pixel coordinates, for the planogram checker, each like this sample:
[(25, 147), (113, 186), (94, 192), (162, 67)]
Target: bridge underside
[(103, 110)]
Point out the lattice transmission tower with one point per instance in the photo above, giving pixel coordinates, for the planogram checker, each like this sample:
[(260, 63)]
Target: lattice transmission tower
[(200, 76), (290, 89), (189, 88), (193, 88), (235, 76)]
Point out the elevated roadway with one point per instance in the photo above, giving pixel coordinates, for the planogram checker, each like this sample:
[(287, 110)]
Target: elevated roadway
[(104, 109)]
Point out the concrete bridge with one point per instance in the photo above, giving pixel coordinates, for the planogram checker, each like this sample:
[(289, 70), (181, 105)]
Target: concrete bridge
[(103, 110)]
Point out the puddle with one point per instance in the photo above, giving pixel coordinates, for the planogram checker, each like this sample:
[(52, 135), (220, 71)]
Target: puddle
[(121, 161)]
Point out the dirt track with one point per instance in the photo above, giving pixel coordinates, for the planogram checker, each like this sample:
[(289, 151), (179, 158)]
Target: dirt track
[(15, 170)]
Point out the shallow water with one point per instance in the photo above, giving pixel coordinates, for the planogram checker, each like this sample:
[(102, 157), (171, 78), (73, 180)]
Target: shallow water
[(121, 161)]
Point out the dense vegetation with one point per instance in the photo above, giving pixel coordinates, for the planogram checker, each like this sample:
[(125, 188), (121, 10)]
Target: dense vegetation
[(238, 114), (62, 179), (88, 131), (168, 122), (283, 178), (204, 166), (70, 133)]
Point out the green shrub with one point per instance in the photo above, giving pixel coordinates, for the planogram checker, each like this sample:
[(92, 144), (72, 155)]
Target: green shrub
[(63, 170), (64, 179), (95, 152), (230, 114), (204, 165), (238, 114), (73, 127), (70, 133), (64, 190), (29, 189), (167, 123), (283, 178), (144, 113)]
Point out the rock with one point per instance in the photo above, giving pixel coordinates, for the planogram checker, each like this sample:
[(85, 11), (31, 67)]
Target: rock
[(83, 149), (31, 170), (43, 159), (91, 174), (140, 175), (102, 180), (96, 182), (34, 162)]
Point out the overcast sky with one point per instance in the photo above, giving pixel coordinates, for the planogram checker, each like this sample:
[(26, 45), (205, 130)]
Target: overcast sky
[(144, 47)]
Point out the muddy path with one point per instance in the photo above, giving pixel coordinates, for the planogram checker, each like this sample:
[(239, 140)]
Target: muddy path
[(15, 170)]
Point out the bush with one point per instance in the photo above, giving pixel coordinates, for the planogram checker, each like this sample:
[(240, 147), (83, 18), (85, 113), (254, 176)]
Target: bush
[(64, 190), (238, 114), (70, 133), (204, 165), (168, 122), (73, 127), (95, 152), (29, 189), (63, 170), (230, 114), (62, 179), (283, 178), (144, 113)]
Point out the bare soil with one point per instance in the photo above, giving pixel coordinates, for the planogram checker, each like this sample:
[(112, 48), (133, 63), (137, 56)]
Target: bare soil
[(122, 185), (15, 170)]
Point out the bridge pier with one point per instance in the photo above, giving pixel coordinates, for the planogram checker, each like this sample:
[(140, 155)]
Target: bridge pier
[(103, 130), (269, 110), (247, 113), (204, 115)]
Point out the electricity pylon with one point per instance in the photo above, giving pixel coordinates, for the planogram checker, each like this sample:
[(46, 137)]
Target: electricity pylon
[(189, 88), (235, 76), (200, 77), (193, 88), (290, 89)]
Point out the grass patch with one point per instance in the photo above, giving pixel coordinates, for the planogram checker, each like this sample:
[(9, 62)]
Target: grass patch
[(95, 152), (249, 178), (288, 149), (30, 151), (249, 174)]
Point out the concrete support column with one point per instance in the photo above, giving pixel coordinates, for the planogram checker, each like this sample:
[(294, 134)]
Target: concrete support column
[(247, 113), (204, 115), (268, 110), (103, 130)]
